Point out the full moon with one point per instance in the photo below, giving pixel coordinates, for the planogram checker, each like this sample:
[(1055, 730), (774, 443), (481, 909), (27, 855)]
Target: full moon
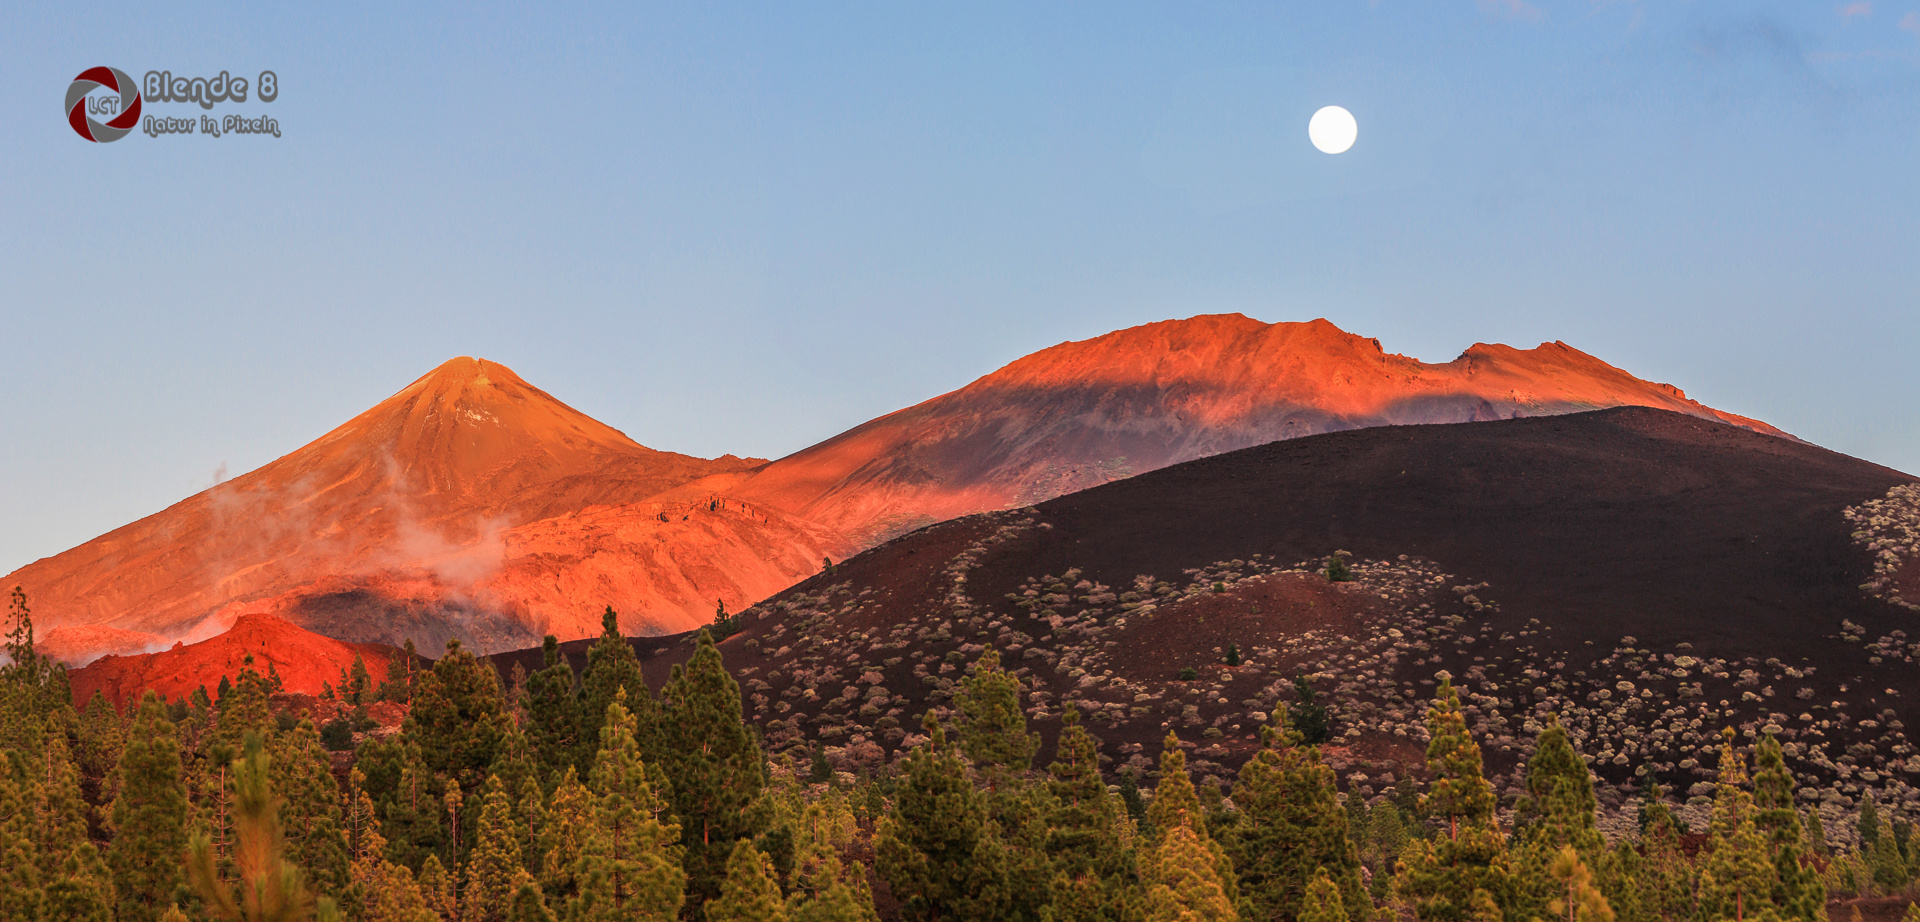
[(1332, 129)]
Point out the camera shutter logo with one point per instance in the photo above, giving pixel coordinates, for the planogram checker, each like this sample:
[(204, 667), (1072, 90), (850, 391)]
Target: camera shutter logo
[(86, 125)]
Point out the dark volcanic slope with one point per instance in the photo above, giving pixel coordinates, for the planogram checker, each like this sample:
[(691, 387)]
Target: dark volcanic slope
[(1648, 577), (1623, 521)]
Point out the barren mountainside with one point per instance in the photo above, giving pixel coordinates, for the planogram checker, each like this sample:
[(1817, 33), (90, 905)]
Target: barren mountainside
[(1085, 413), (1648, 577), (418, 514)]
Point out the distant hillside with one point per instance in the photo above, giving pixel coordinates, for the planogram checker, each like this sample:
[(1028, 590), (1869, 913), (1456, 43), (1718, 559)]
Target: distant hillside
[(1084, 413)]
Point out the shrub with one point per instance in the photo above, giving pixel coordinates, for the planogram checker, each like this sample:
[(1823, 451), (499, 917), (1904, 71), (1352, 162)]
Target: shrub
[(1188, 674), (1233, 654), (1337, 570)]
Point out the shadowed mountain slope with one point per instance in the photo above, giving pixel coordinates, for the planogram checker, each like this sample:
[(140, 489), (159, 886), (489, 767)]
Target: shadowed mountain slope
[(1617, 568)]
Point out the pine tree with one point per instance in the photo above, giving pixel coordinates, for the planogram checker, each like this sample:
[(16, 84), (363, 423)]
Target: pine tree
[(750, 892), (1176, 803), (359, 683), (1083, 822), (437, 889), (271, 888), (530, 820), (1557, 813), (60, 822), (1292, 829), (1337, 569), (406, 800), (993, 728), (496, 869), (1174, 800), (1182, 880), (397, 686), (310, 807), (1011, 875), (1889, 868), (1867, 826), (37, 682), (20, 894), (79, 890), (930, 839), (1463, 870), (1323, 902), (1131, 799), (628, 866), (612, 668), (458, 717), (1797, 892), (519, 770), (1560, 803), (822, 888), (1817, 835), (1737, 876), (102, 736), (382, 891), (453, 802), (396, 896), (1387, 838), (1310, 719), (149, 818), (244, 709), (553, 713), (1577, 893), (1460, 793), (1665, 880), (75, 876), (529, 905), (716, 767), (562, 839)]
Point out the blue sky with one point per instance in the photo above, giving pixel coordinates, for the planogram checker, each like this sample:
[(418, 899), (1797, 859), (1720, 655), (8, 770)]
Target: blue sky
[(743, 229)]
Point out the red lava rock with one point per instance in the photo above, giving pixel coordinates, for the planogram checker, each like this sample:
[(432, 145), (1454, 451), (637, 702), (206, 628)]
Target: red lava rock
[(304, 661)]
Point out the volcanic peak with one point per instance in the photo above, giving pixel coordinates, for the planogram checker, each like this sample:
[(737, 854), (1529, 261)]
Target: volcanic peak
[(424, 485)]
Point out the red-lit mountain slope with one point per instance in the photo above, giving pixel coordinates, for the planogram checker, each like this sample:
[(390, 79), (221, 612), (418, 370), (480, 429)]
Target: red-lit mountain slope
[(469, 504), (303, 660), (1084, 413)]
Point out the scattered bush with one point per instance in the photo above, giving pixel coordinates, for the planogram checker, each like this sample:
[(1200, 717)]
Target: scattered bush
[(1337, 569)]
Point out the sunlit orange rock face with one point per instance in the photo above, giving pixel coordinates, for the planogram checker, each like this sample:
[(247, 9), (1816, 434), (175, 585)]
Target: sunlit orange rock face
[(305, 661), (470, 504), (1083, 413), (473, 505)]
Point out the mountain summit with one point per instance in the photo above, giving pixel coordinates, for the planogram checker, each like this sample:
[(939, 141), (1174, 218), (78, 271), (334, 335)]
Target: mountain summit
[(409, 504), (1084, 413)]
